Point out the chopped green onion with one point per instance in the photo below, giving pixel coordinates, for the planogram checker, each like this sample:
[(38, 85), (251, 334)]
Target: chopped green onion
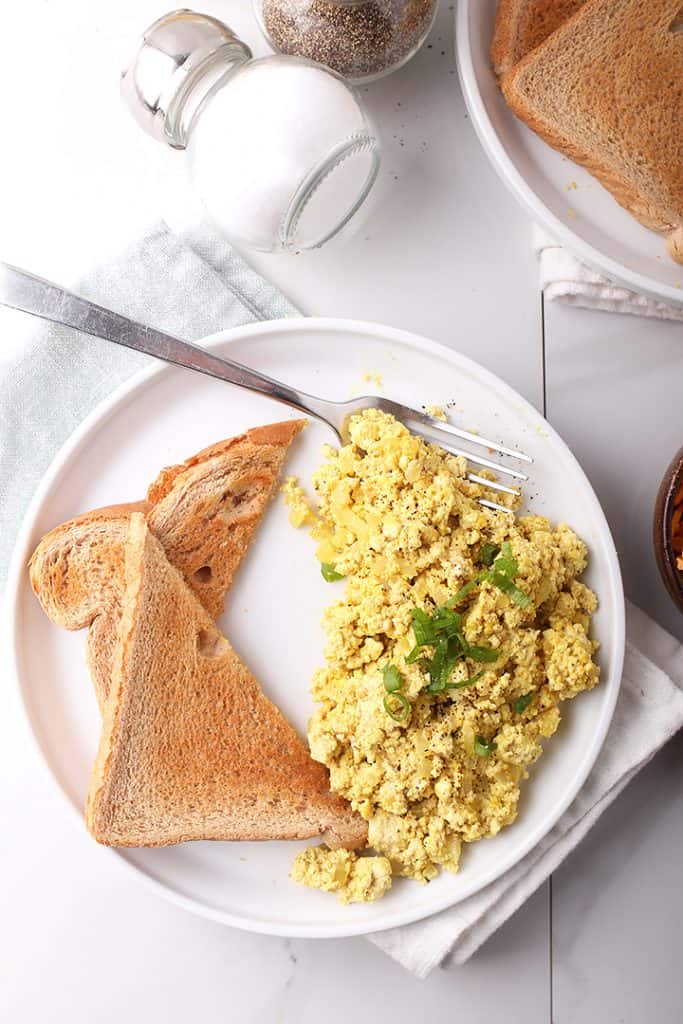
[(439, 669), (483, 747), (427, 628), (393, 680), (506, 563), (464, 591), (503, 573), (414, 655), (442, 631), (422, 627), (397, 706), (488, 553), (482, 654), (465, 682), (329, 573), (505, 584), (445, 618), (522, 703)]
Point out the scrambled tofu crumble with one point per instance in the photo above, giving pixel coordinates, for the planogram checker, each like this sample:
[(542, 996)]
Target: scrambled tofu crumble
[(398, 519), (354, 879)]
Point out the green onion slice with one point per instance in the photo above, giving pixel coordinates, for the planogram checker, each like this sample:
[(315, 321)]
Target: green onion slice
[(483, 747), (422, 627), (329, 573), (393, 680), (397, 706), (489, 553), (505, 584), (503, 573), (465, 682), (442, 631), (464, 591), (482, 654), (506, 562), (522, 703)]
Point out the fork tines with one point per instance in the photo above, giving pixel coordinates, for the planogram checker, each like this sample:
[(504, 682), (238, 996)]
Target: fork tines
[(443, 433)]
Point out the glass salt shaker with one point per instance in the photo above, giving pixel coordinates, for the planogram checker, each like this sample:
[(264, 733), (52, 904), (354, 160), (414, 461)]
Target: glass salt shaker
[(361, 39), (281, 151)]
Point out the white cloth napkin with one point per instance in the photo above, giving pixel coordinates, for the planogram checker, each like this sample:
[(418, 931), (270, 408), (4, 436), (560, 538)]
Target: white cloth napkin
[(193, 284), (649, 711), (565, 278)]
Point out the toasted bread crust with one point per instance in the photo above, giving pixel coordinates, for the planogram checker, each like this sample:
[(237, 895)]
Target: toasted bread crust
[(191, 748), (674, 244), (277, 435), (205, 510), (606, 89), (71, 586), (76, 571), (522, 25)]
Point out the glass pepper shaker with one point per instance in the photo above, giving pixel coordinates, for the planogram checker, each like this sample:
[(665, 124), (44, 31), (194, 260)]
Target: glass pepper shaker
[(281, 151), (361, 39)]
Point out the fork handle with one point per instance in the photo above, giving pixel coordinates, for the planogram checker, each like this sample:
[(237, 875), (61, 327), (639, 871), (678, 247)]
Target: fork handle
[(32, 294)]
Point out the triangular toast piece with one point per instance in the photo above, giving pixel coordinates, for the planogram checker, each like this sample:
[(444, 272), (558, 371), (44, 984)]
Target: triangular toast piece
[(191, 748), (204, 512), (606, 89), (522, 25)]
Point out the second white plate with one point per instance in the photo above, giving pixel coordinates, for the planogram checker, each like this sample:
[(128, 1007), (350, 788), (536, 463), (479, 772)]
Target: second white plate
[(274, 607), (562, 197)]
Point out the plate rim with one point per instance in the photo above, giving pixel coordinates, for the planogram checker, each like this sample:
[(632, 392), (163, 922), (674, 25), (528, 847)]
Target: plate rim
[(97, 417), (522, 190)]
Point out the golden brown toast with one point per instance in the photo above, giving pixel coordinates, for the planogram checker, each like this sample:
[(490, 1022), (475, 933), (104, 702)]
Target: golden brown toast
[(204, 512), (606, 89), (190, 747), (522, 25)]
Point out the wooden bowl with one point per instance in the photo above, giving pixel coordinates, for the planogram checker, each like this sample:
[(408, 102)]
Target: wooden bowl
[(664, 508)]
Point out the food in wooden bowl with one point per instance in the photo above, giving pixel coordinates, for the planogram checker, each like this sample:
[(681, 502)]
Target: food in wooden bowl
[(668, 529)]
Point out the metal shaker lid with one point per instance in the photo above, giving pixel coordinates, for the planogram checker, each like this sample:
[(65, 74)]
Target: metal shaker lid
[(173, 53)]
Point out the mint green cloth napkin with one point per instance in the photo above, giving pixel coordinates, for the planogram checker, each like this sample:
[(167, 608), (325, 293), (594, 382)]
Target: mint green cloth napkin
[(189, 285)]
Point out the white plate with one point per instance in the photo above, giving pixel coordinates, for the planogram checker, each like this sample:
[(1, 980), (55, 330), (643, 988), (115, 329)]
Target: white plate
[(275, 605), (586, 219)]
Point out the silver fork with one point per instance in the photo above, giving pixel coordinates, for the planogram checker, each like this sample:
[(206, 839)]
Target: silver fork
[(24, 291)]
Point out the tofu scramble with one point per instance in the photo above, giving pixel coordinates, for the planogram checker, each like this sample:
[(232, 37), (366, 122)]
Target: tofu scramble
[(354, 879), (432, 755)]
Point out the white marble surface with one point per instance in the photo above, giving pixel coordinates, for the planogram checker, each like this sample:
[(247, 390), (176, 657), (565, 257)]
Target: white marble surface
[(447, 253)]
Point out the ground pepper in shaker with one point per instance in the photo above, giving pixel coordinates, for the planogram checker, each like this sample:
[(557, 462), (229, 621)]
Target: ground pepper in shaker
[(281, 151), (361, 39)]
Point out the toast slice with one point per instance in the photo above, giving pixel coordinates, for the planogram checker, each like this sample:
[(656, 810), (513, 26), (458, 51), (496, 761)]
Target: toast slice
[(190, 747), (204, 512), (76, 573), (522, 25), (606, 89)]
